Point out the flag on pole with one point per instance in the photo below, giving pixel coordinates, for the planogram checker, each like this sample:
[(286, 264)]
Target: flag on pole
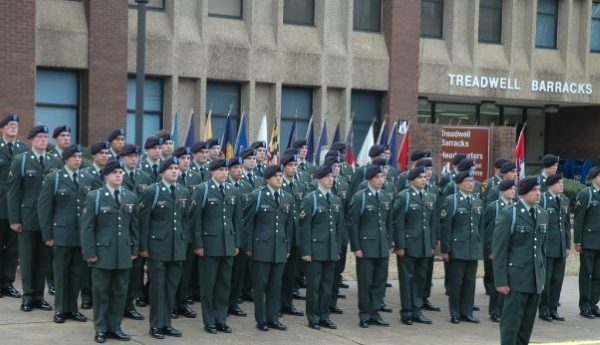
[(382, 138), (292, 136), (191, 133), (363, 155), (403, 154), (175, 129), (227, 141), (273, 150), (336, 134), (350, 157), (520, 155), (310, 141), (262, 130), (393, 144), (241, 141), (323, 148), (208, 127)]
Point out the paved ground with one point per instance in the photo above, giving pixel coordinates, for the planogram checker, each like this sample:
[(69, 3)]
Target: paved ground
[(36, 327)]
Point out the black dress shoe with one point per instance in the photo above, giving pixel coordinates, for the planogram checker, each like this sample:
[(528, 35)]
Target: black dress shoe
[(379, 322), (100, 337), (343, 285), (407, 321), (134, 315), (495, 318), (546, 317), (237, 311), (222, 327), (314, 325), (10, 291), (277, 325), (118, 335), (156, 333), (430, 306), (342, 296), (596, 311), (422, 319), (189, 300), (41, 304), (301, 281), (171, 332), (27, 306), (556, 316), (86, 304), (384, 308), (387, 285), (174, 315), (454, 320), (59, 318), (469, 318), (77, 316), (140, 302), (335, 309), (298, 295), (293, 311), (187, 312), (52, 290), (585, 313), (363, 324), (475, 308), (262, 326), (328, 324), (210, 328)]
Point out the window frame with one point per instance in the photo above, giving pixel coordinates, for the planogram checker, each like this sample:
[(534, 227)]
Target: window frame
[(378, 30), (441, 35), (501, 9), (592, 19), (217, 116), (293, 22), (225, 16), (151, 7), (144, 110), (538, 13)]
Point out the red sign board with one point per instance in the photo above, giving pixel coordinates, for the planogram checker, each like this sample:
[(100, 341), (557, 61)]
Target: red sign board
[(472, 141)]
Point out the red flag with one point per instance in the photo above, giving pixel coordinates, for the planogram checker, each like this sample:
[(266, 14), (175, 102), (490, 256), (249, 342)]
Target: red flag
[(349, 149), (404, 152), (520, 155)]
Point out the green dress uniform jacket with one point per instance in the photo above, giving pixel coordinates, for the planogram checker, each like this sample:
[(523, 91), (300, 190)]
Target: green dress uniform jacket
[(370, 224), (487, 186), (256, 182), (414, 223), (5, 162), (558, 240), (190, 179), (320, 225), (297, 190), (200, 169), (140, 181), (98, 180), (148, 168), (587, 233), (452, 188), (347, 171), (460, 227)]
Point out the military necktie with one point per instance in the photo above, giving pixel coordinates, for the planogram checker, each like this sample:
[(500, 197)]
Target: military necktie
[(10, 148), (42, 161), (237, 185), (251, 179), (328, 198), (172, 188), (334, 187), (75, 180), (277, 199), (469, 200), (532, 213), (557, 198), (131, 176), (183, 177), (117, 198), (302, 166), (377, 196), (222, 190), (421, 195), (155, 170)]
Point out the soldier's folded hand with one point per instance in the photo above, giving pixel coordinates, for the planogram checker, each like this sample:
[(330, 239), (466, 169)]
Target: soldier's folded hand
[(400, 252), (50, 243), (578, 248), (16, 227), (92, 259), (249, 253), (199, 251), (144, 254), (358, 254), (236, 251), (503, 290), (133, 257), (446, 257), (307, 258)]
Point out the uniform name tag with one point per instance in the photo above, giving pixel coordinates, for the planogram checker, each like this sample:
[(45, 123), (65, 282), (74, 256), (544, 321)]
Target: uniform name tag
[(521, 228), (336, 207), (430, 205), (105, 208)]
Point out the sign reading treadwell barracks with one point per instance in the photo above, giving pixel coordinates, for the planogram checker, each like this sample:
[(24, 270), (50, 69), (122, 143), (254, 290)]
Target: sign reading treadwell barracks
[(472, 141)]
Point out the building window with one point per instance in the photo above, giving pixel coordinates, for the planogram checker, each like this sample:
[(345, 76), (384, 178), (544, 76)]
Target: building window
[(432, 18), (57, 99), (366, 107), (595, 34), (223, 99), (153, 106), (490, 21), (367, 15), (547, 24), (296, 105), (153, 4), (299, 12), (225, 8)]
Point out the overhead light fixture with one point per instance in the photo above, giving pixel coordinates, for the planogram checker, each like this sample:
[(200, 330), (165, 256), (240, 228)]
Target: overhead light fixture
[(552, 108), (488, 104)]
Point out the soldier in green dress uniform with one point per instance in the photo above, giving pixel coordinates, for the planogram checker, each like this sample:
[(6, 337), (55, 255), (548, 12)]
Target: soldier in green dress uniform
[(305, 166), (109, 243), (376, 151), (261, 156), (250, 174), (198, 165), (448, 176), (518, 258), (62, 139), (494, 180), (168, 145), (214, 149), (151, 162), (466, 164), (549, 167), (347, 170), (507, 171), (116, 141), (27, 172), (10, 147)]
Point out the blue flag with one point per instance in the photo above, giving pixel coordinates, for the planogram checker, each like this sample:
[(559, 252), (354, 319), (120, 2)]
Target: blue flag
[(323, 148), (336, 134), (292, 136), (175, 129), (241, 142), (191, 135), (383, 137), (310, 141), (392, 144), (227, 143)]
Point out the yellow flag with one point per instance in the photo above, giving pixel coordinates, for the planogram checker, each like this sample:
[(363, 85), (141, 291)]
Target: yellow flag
[(208, 126)]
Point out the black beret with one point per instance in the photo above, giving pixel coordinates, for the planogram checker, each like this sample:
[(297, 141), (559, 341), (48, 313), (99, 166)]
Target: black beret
[(339, 146), (461, 176), (114, 134), (69, 151), (372, 171), (235, 161), (424, 162), (36, 130), (458, 157), (506, 185), (166, 136), (418, 154), (549, 160), (323, 171), (498, 162), (332, 153), (465, 164), (290, 151), (152, 141), (331, 160), (111, 166), (60, 129), (527, 184), (507, 167), (97, 147), (298, 144), (271, 170), (553, 179), (261, 143), (167, 163), (247, 152), (9, 118), (593, 172), (212, 142), (198, 146), (218, 164), (181, 151), (129, 149), (376, 150), (379, 161), (415, 172), (288, 158)]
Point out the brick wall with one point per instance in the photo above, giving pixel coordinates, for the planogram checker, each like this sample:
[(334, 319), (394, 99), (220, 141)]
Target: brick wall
[(105, 82), (17, 60)]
